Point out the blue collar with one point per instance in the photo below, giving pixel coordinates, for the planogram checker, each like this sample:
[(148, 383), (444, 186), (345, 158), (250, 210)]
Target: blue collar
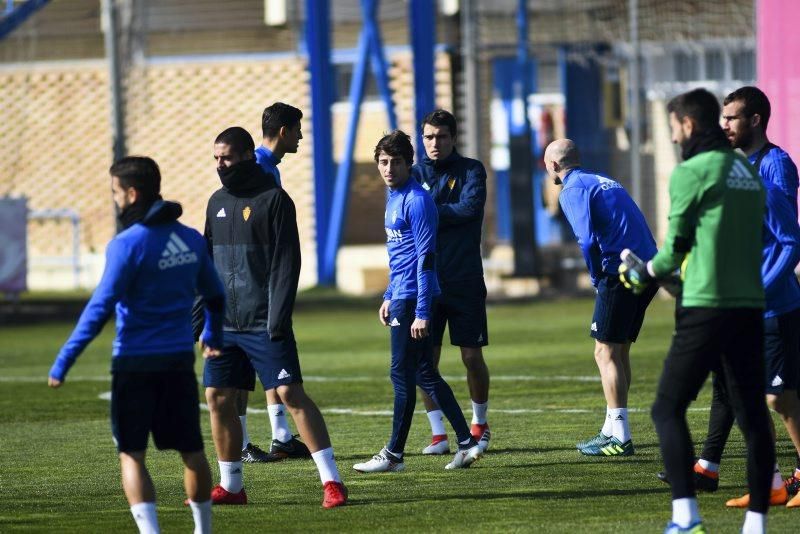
[(268, 153), (566, 176)]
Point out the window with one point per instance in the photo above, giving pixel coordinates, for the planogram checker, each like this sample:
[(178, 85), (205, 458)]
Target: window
[(344, 77)]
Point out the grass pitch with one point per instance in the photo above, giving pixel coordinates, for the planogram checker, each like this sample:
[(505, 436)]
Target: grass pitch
[(59, 471)]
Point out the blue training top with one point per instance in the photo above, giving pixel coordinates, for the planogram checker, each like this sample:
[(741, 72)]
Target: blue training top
[(268, 162), (605, 220), (411, 222), (153, 271), (778, 168), (781, 254)]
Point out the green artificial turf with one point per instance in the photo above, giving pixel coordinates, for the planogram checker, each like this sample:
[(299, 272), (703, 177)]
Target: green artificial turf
[(59, 471)]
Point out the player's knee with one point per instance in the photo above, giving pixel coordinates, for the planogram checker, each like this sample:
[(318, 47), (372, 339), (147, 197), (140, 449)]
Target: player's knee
[(218, 400), (663, 409), (293, 395), (472, 358)]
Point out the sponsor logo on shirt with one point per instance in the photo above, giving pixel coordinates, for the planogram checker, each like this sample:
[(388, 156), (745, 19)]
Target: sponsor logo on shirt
[(742, 178), (394, 235), (176, 253), (607, 183), (221, 212)]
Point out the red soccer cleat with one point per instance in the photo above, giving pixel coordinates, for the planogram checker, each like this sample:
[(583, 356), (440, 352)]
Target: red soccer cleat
[(220, 495), (335, 494), (481, 434)]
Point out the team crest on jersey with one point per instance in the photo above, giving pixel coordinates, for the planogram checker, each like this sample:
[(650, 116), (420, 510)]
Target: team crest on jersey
[(451, 183), (394, 216), (246, 212)]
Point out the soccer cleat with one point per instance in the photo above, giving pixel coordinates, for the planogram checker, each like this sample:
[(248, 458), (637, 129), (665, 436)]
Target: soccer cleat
[(481, 434), (612, 447), (220, 495), (792, 484), (704, 480), (381, 462), (294, 448), (777, 497), (465, 457), (694, 528), (255, 454), (439, 445), (334, 494), (599, 439)]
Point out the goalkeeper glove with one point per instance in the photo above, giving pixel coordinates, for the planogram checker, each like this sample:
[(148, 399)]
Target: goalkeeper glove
[(633, 272)]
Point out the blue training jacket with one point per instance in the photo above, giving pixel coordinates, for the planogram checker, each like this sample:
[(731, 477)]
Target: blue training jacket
[(781, 254), (458, 188), (411, 222), (778, 168), (267, 160), (605, 220), (153, 271)]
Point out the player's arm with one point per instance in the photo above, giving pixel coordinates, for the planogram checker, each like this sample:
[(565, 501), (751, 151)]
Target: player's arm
[(116, 279), (423, 221), (285, 267), (781, 222), (199, 309), (470, 202), (575, 205), (684, 188), (212, 295)]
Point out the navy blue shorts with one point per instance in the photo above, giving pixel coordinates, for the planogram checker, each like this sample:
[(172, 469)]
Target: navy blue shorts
[(618, 313), (782, 351), (462, 307), (245, 354), (164, 403)]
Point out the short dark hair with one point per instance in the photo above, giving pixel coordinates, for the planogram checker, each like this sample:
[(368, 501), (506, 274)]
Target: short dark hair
[(141, 173), (755, 102), (397, 143), (238, 139), (439, 118), (277, 116), (699, 105)]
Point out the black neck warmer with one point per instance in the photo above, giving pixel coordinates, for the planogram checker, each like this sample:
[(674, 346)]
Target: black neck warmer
[(712, 139)]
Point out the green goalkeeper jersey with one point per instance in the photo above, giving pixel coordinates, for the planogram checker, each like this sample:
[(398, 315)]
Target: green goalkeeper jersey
[(715, 224)]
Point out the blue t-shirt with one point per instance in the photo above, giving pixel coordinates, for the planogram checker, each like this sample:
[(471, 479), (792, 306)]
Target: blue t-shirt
[(151, 278), (778, 168), (605, 220), (268, 162), (411, 221), (781, 254)]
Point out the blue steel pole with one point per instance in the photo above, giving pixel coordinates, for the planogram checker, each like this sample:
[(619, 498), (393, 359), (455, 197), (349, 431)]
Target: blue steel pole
[(319, 62), (423, 41), (380, 69)]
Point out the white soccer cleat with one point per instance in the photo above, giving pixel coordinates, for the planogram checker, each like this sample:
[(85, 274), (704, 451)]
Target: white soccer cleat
[(482, 435), (465, 457), (437, 446), (381, 462)]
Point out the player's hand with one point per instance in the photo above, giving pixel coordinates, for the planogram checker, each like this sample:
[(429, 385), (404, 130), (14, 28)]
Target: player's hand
[(54, 382), (209, 353), (383, 313), (420, 328), (633, 272)]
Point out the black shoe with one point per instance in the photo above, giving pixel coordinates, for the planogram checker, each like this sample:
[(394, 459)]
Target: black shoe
[(294, 448), (255, 454), (701, 482)]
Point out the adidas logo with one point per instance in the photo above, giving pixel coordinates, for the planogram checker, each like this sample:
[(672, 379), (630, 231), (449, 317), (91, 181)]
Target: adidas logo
[(425, 186), (221, 212), (236, 471), (742, 178), (594, 327), (480, 338), (394, 322), (777, 381), (619, 418), (283, 374), (176, 253)]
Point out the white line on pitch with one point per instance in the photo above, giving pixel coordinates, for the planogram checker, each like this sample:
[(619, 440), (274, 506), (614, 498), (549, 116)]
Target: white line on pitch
[(317, 378)]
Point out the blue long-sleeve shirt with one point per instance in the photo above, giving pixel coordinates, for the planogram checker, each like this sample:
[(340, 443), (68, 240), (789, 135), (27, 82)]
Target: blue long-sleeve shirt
[(781, 254), (153, 271), (778, 168), (605, 220), (458, 188), (267, 160), (411, 223)]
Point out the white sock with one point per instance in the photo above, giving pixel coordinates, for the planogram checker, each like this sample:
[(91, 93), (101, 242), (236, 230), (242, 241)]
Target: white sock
[(754, 523), (685, 512), (479, 412), (245, 435), (201, 512), (144, 513), (280, 426), (608, 428), (619, 424), (230, 476), (777, 481), (709, 466), (326, 465), (436, 419)]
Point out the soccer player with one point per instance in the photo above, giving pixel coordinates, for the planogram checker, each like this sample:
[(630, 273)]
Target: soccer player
[(281, 129), (153, 269), (715, 222), (458, 187), (251, 227), (745, 115), (605, 220), (410, 222)]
